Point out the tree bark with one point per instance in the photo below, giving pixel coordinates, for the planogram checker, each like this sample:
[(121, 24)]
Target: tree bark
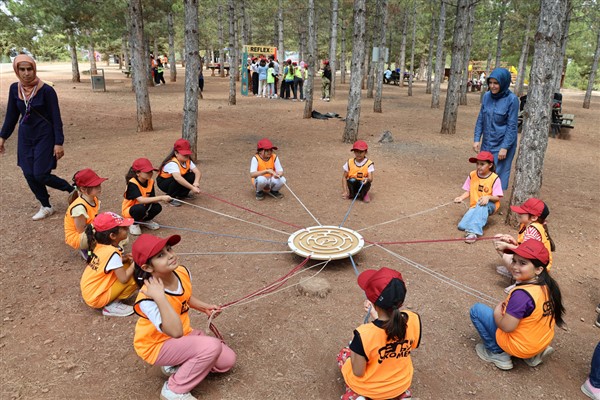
[(75, 76), (411, 75), (92, 57), (370, 29), (172, 61), (465, 79), (538, 109), (312, 55), (232, 53), (221, 41), (456, 68), (139, 71), (245, 23), (280, 48), (192, 69), (523, 61), (561, 65), (343, 54), (488, 66), (403, 48), (333, 46), (588, 93), (358, 48), (381, 60), (439, 58), (301, 38), (500, 37)]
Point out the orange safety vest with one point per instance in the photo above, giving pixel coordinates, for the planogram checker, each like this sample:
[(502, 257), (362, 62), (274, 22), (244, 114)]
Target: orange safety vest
[(545, 239), (389, 368), (481, 187), (96, 281), (535, 332), (145, 191), (183, 168), (356, 172), (72, 236), (148, 340), (263, 165)]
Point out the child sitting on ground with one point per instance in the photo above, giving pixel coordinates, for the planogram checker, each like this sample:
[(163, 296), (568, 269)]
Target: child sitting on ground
[(358, 173), (377, 364), (178, 173), (266, 171), (522, 325), (484, 191), (108, 276), (140, 202), (83, 208), (532, 225)]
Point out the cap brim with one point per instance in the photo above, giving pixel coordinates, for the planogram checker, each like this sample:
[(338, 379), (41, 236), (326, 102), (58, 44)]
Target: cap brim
[(184, 152), (518, 210), (127, 222), (473, 160), (148, 169), (171, 241), (97, 182)]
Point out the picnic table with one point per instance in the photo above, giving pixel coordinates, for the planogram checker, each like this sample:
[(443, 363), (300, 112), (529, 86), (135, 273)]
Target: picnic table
[(218, 67), (562, 121)]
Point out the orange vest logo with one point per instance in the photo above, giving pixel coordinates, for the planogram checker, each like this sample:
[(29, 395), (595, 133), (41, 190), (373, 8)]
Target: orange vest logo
[(184, 307), (395, 350)]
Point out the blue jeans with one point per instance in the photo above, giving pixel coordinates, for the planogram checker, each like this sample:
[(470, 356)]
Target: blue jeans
[(476, 218), (503, 166), (482, 317), (595, 369)]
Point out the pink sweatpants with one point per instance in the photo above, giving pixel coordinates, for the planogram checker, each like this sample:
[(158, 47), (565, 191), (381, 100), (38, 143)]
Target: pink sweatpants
[(197, 355)]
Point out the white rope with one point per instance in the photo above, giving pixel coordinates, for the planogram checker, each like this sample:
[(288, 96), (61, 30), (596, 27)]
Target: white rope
[(407, 216), (302, 204), (234, 252), (232, 217), (458, 285)]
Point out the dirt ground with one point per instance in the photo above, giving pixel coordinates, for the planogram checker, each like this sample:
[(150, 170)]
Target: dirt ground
[(54, 347)]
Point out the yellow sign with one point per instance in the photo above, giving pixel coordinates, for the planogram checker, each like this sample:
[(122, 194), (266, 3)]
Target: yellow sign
[(252, 49)]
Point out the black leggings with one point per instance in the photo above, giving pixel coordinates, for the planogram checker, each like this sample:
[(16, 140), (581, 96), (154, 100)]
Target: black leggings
[(145, 212), (173, 188), (38, 183), (354, 185)]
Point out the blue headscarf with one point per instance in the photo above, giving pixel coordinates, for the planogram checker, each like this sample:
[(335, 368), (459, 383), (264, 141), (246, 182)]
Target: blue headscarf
[(503, 77)]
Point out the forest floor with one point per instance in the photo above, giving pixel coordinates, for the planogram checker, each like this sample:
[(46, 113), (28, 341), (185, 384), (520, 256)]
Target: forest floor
[(54, 347)]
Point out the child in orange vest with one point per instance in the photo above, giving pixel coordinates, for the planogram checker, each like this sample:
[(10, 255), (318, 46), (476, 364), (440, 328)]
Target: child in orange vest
[(266, 171), (163, 335), (377, 364), (140, 202), (522, 325), (484, 191), (83, 208), (108, 276), (532, 225), (358, 171), (178, 174)]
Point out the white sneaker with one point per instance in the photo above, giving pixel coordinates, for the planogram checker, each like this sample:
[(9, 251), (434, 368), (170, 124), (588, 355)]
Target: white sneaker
[(135, 230), (117, 309), (502, 270), (500, 360), (152, 225), (167, 394), (539, 358), (168, 370), (44, 212)]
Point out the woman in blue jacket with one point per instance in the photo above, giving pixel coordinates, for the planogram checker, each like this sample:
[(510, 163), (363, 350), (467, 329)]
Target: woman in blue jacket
[(496, 128)]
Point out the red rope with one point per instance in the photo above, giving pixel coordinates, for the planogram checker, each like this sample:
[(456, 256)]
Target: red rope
[(249, 210), (430, 241)]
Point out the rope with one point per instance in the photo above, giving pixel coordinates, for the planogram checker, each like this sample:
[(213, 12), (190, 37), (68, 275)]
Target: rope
[(215, 233), (249, 210), (235, 218), (366, 319), (433, 241), (458, 285), (407, 216), (218, 253), (351, 204), (302, 204)]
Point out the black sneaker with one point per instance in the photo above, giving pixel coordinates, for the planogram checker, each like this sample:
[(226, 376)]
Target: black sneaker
[(260, 195), (276, 194), (598, 321)]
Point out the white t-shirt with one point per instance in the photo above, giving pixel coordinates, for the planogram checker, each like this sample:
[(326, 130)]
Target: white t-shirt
[(172, 166), (115, 262), (254, 165), (360, 164), (151, 309)]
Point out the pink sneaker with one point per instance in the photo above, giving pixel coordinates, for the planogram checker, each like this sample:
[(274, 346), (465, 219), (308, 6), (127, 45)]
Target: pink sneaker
[(366, 198), (590, 391)]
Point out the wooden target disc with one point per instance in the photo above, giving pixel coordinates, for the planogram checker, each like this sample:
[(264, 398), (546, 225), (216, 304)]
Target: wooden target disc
[(326, 242)]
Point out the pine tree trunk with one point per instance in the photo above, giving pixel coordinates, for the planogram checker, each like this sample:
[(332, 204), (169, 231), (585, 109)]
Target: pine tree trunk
[(192, 69), (309, 84), (456, 68), (343, 55), (280, 48), (75, 76), (411, 75), (221, 41), (358, 48), (123, 55), (232, 53), (370, 40), (139, 65), (172, 60), (561, 65), (403, 48), (92, 50), (588, 93), (381, 60), (245, 23), (538, 109), (302, 38), (439, 58), (464, 82), (333, 46), (155, 48), (488, 66), (421, 74), (500, 37), (523, 61)]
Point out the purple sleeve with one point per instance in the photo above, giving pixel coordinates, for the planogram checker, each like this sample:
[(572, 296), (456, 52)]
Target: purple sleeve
[(497, 188), (520, 305), (12, 113), (467, 185)]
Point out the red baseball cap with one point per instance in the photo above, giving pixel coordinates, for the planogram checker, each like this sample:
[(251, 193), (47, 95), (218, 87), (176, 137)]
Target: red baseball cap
[(183, 147), (532, 206), (532, 250), (109, 220), (384, 287), (265, 144), (143, 165), (360, 145), (147, 246), (87, 178), (326, 62), (483, 156)]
